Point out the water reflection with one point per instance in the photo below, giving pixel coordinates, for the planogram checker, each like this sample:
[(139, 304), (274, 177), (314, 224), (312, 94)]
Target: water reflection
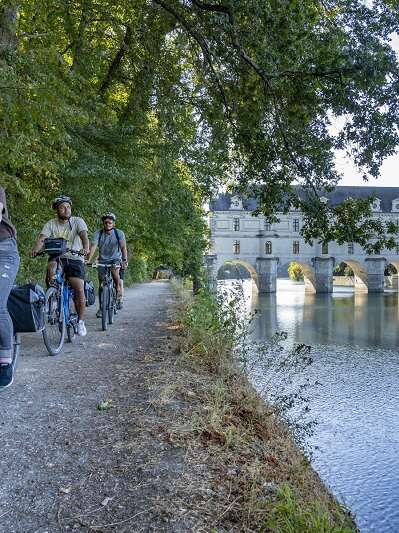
[(354, 338), (343, 317)]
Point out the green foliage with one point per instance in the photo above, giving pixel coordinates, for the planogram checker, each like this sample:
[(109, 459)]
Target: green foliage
[(343, 270), (139, 270), (288, 517), (143, 107), (69, 124), (295, 272)]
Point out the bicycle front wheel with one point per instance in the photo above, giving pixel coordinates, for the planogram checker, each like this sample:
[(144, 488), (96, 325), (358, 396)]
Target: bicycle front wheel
[(104, 305), (54, 329), (111, 306), (16, 350)]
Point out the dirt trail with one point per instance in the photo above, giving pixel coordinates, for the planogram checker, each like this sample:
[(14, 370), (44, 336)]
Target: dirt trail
[(68, 466)]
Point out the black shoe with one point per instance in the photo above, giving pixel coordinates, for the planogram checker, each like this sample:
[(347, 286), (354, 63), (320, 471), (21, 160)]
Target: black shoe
[(6, 375)]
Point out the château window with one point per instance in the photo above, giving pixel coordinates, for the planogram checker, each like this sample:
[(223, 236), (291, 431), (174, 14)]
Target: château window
[(324, 248), (268, 247), (296, 224), (236, 247), (268, 226), (236, 224), (351, 248), (295, 247)]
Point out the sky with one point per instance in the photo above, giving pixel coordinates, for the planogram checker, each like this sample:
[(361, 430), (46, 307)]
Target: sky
[(390, 169)]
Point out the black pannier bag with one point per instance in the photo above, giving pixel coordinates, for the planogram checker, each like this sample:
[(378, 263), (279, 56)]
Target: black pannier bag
[(26, 307), (90, 293), (55, 246)]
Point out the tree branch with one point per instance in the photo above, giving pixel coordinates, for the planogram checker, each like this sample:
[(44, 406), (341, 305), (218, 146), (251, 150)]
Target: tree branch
[(204, 47), (263, 75), (116, 62)]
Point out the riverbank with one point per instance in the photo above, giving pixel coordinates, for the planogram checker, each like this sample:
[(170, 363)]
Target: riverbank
[(136, 429), (266, 482)]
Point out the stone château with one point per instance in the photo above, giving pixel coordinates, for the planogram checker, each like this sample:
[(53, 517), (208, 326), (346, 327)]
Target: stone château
[(266, 250)]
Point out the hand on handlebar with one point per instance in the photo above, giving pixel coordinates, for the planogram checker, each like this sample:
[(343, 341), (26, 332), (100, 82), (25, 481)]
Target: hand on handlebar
[(35, 253)]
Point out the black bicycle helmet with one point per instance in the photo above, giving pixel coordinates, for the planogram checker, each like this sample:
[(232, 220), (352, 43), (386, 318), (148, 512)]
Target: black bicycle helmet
[(112, 216), (61, 200)]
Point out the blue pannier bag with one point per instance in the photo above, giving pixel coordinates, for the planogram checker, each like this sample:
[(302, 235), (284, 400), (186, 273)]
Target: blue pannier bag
[(26, 307), (90, 293)]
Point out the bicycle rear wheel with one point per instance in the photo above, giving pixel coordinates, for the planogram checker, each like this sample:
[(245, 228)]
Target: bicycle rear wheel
[(104, 306), (54, 329)]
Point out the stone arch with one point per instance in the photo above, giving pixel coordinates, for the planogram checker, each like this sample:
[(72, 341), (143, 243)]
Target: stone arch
[(308, 273), (394, 263), (245, 264), (359, 271), (393, 281)]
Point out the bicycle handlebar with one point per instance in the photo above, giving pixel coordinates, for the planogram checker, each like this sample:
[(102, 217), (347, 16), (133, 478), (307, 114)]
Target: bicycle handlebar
[(68, 250), (110, 265)]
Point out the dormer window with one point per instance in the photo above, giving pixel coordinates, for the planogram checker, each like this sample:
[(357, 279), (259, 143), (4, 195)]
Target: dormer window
[(395, 205), (376, 205), (236, 202)]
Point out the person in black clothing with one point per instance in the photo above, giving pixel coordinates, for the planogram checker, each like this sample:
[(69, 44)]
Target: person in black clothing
[(9, 263)]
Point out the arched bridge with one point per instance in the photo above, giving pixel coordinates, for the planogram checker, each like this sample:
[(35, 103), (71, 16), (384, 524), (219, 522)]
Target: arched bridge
[(318, 271)]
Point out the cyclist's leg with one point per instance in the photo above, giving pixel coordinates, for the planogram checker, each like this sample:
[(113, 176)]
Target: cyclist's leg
[(9, 263), (118, 285), (101, 276), (117, 280), (75, 274), (77, 285), (122, 278), (51, 270)]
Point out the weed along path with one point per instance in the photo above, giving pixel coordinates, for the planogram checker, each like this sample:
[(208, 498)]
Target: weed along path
[(79, 442)]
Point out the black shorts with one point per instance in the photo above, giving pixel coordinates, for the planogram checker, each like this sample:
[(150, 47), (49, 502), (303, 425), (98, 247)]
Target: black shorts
[(73, 268), (101, 273)]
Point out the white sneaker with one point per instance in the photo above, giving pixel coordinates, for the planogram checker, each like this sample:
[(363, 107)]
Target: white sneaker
[(82, 332)]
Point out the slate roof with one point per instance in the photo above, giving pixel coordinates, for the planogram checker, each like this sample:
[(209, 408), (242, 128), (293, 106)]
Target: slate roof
[(385, 194)]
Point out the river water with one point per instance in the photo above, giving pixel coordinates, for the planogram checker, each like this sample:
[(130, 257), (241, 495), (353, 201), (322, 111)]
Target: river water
[(355, 351)]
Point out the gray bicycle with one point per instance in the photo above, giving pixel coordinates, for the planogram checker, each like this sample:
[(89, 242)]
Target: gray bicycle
[(107, 294)]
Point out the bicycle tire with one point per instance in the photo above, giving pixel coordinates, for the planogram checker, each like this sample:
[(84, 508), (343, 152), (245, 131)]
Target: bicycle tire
[(104, 306), (111, 305), (54, 320), (16, 347)]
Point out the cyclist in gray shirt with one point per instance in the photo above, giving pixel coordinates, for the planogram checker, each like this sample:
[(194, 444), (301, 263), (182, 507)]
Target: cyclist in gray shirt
[(111, 243)]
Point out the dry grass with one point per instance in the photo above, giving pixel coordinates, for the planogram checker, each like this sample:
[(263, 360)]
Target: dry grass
[(260, 480)]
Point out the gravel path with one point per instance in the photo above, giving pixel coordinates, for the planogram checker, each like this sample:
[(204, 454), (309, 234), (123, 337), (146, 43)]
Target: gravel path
[(66, 465)]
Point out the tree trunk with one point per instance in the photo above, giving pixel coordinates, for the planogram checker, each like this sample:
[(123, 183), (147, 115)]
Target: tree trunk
[(8, 30)]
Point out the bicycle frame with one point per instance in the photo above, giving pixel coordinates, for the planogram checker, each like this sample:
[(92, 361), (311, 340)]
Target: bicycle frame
[(59, 318), (107, 294), (66, 291)]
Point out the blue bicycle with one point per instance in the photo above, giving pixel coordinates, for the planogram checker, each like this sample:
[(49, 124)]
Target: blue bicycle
[(60, 313)]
